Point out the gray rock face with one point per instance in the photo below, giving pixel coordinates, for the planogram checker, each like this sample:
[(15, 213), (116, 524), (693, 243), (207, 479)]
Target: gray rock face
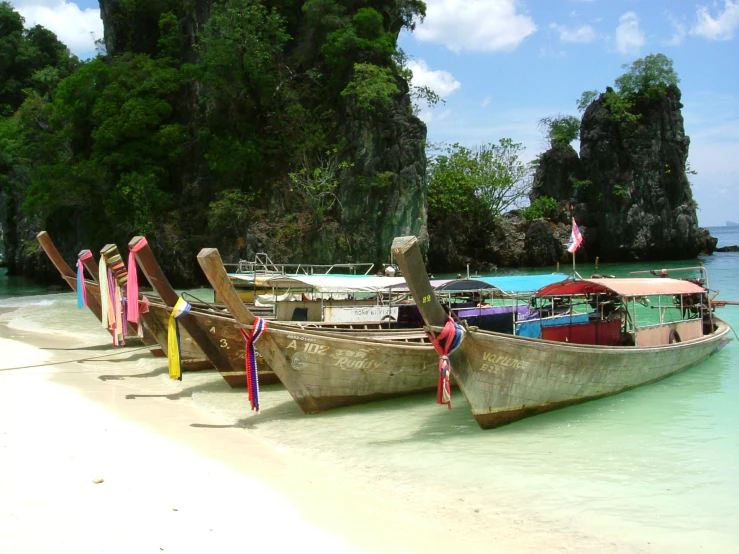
[(375, 211), (558, 174), (628, 186), (121, 36), (634, 190)]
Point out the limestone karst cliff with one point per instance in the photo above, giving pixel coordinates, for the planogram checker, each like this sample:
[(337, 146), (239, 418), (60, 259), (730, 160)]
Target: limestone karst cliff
[(277, 126), (629, 185)]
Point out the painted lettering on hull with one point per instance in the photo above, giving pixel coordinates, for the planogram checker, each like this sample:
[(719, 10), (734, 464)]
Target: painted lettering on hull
[(353, 363), (301, 337), (496, 361), (342, 353)]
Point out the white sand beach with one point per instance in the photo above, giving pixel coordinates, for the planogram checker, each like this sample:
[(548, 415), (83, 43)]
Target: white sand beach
[(109, 455)]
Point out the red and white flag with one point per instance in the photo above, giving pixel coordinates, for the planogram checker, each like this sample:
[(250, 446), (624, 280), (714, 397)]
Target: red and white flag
[(575, 238)]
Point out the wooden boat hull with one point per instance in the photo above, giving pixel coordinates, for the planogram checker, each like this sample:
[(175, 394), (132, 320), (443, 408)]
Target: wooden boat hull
[(506, 378), (148, 339), (222, 334), (326, 370)]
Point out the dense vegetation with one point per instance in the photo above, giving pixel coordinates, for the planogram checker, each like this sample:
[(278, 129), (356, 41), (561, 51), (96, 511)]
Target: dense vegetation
[(163, 136), (477, 184), (251, 123)]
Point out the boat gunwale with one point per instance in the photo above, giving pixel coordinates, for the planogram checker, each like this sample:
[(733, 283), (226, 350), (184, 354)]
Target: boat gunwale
[(282, 328), (722, 329)]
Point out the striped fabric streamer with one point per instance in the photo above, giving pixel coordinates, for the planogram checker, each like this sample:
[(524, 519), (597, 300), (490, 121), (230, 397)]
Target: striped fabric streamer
[(252, 379), (114, 309), (81, 287), (132, 286), (180, 310), (447, 341)]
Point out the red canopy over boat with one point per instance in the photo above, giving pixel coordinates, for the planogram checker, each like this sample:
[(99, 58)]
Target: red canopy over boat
[(623, 287)]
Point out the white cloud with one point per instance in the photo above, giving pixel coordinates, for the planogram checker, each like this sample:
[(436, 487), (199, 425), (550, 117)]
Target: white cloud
[(486, 102), (629, 37), (547, 51), (475, 25), (76, 28), (427, 116), (443, 115), (678, 35), (720, 28), (441, 82), (582, 34)]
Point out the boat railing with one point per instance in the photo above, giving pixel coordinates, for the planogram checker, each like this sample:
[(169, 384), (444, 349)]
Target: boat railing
[(263, 265), (666, 272)]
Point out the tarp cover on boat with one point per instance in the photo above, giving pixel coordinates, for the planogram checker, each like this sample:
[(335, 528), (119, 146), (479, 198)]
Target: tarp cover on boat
[(623, 287), (336, 283), (507, 283)]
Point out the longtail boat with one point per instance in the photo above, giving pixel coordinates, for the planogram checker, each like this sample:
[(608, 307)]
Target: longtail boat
[(328, 368), (208, 336), (91, 285), (506, 377)]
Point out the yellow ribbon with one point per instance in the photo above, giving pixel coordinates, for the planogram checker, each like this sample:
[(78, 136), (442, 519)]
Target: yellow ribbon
[(180, 310)]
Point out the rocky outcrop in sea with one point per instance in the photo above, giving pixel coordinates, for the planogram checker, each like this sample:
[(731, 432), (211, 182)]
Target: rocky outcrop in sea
[(628, 188)]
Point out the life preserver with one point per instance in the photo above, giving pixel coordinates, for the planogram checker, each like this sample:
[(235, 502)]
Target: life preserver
[(674, 337)]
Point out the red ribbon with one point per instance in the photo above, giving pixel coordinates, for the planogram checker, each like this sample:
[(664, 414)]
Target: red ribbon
[(443, 344)]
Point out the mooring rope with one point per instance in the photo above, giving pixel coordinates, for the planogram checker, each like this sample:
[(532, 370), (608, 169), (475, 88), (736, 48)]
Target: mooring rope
[(87, 359)]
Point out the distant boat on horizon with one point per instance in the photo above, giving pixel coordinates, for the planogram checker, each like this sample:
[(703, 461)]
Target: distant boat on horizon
[(732, 224)]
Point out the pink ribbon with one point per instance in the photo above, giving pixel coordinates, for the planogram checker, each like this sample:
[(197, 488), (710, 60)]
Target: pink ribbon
[(132, 285)]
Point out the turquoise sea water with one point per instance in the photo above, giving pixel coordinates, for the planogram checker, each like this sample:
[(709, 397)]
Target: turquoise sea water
[(655, 469)]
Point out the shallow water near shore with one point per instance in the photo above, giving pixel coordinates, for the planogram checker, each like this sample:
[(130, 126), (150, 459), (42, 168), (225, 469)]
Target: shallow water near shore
[(652, 470)]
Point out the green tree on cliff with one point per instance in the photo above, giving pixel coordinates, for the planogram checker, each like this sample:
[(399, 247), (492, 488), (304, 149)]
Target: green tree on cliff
[(560, 129), (30, 59), (649, 76), (480, 182)]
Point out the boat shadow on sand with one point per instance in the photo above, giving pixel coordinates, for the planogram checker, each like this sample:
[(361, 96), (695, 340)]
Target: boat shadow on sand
[(117, 377), (92, 348), (187, 392)]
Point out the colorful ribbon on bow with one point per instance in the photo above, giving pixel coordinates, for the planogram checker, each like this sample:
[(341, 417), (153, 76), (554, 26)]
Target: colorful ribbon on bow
[(180, 310), (445, 343), (252, 379), (81, 287), (104, 294), (132, 286), (115, 310)]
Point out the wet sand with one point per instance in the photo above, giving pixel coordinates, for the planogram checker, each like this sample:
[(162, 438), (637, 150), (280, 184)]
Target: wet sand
[(106, 454)]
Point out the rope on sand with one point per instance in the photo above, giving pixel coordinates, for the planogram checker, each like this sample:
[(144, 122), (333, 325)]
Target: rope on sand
[(44, 364)]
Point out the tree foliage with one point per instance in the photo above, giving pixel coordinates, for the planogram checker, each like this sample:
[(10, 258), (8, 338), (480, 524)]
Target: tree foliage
[(560, 128), (478, 182), (30, 59), (156, 127), (542, 206), (648, 77)]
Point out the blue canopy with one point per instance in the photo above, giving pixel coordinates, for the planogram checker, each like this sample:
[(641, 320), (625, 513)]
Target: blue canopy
[(508, 283)]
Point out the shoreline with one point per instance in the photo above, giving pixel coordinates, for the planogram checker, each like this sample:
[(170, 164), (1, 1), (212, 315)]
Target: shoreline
[(109, 418), (163, 445)]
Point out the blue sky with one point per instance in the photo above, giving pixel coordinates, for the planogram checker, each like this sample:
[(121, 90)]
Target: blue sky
[(502, 65)]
